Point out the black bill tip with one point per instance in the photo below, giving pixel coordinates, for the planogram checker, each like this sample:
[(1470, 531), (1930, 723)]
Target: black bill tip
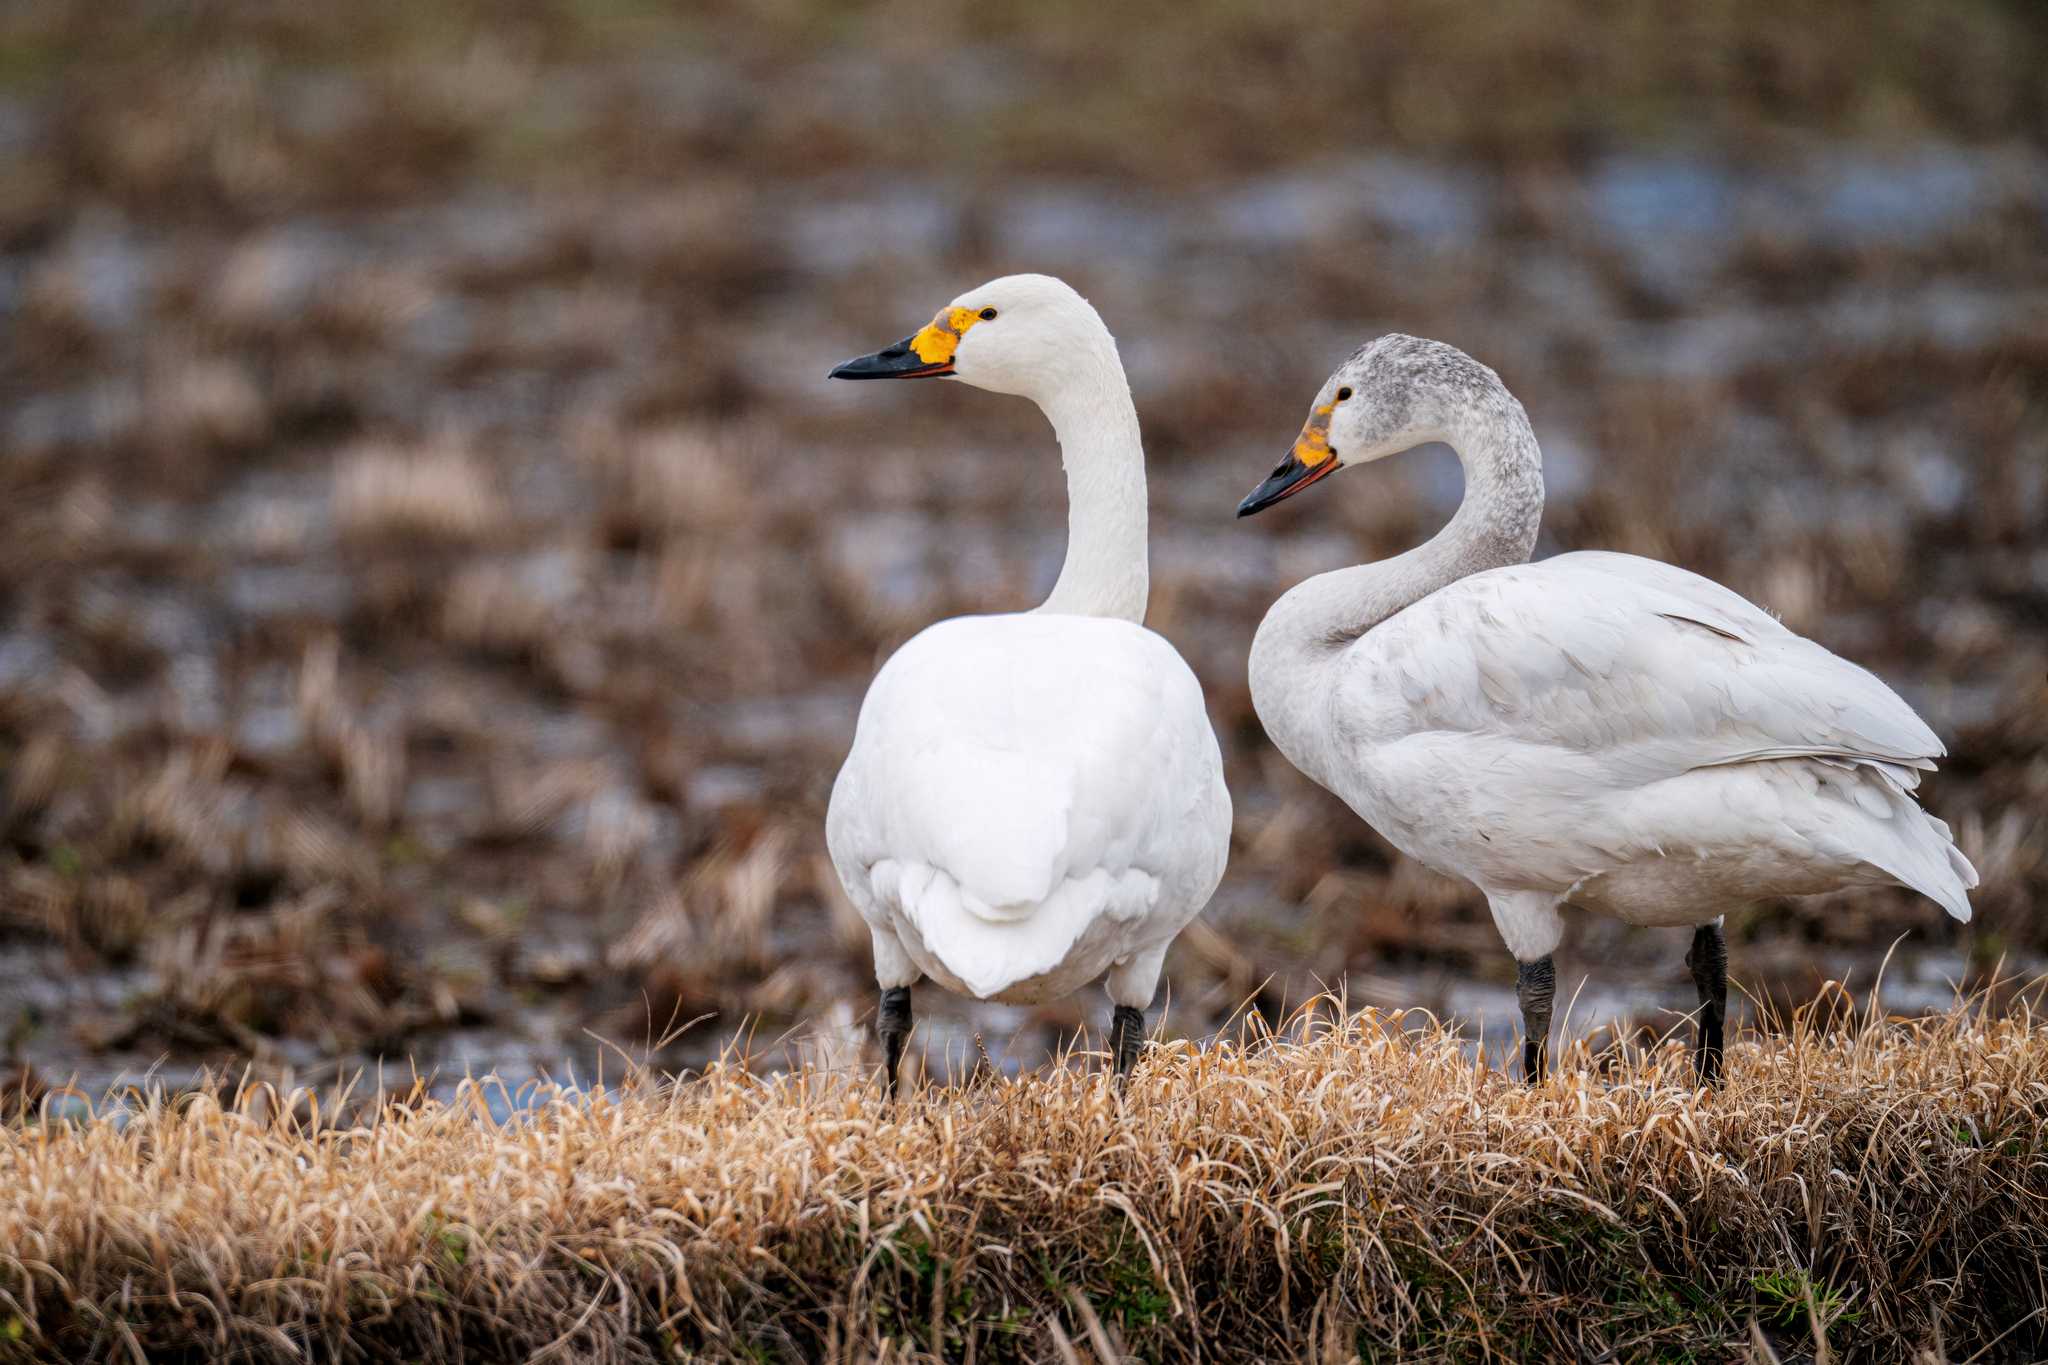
[(891, 362), (1290, 478), (1256, 500)]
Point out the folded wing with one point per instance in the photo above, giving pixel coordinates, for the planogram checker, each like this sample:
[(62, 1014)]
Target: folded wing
[(1657, 670), (1582, 703)]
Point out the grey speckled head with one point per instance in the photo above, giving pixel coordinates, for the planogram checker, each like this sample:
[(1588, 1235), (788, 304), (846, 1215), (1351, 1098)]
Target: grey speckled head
[(1393, 394)]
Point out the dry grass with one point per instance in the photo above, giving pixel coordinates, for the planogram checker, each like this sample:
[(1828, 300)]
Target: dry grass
[(1357, 1187), (440, 493)]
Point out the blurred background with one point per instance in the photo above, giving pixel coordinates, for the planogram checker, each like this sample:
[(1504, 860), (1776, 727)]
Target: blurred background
[(437, 581)]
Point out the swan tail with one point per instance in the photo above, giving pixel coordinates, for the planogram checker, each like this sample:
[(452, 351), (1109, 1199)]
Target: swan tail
[(956, 925), (1911, 846), (990, 948)]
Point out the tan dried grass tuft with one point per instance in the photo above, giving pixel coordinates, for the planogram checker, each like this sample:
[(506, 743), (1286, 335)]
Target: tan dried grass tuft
[(720, 920), (204, 403), (1361, 1187), (37, 776), (368, 759), (673, 479), (488, 607), (439, 493), (178, 807)]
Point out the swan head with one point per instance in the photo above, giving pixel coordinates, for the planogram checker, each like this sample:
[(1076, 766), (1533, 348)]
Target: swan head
[(1394, 394), (1023, 334)]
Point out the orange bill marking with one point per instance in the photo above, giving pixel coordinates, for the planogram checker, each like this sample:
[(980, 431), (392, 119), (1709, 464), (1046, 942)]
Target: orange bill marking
[(1312, 447), (936, 343)]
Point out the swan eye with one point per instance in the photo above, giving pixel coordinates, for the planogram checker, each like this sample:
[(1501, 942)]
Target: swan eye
[(1343, 393), (988, 315)]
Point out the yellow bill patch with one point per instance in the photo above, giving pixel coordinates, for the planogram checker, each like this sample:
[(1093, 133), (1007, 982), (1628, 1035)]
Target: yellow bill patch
[(937, 342), (1312, 447)]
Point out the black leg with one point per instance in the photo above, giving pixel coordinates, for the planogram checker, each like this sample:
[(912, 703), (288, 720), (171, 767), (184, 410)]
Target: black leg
[(1126, 1031), (1535, 987), (1708, 958), (892, 1022)]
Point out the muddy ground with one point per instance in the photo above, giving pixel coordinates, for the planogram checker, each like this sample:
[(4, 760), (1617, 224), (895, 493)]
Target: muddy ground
[(437, 581)]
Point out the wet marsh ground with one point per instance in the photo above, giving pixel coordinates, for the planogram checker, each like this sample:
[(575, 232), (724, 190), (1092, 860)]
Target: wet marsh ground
[(438, 581)]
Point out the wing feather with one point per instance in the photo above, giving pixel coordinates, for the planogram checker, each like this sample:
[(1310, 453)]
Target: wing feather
[(1658, 670)]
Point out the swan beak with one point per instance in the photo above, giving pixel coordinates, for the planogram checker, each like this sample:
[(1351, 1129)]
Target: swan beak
[(930, 352), (1311, 459), (1290, 478), (904, 360)]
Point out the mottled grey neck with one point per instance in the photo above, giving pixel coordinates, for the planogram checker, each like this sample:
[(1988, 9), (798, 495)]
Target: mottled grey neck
[(1105, 573), (1495, 525)]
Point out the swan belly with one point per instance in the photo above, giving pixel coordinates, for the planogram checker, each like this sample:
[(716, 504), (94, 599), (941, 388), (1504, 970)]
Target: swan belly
[(1679, 890)]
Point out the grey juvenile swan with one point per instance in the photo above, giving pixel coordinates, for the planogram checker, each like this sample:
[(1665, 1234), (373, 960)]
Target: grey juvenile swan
[(1596, 730)]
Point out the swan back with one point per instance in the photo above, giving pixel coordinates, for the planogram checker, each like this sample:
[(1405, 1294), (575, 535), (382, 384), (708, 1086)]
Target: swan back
[(1016, 779)]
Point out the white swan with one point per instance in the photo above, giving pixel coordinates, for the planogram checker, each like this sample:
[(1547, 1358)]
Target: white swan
[(1596, 729), (1033, 800)]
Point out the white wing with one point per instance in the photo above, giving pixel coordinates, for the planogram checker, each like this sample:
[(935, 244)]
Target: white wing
[(1016, 779), (1659, 670), (1563, 684)]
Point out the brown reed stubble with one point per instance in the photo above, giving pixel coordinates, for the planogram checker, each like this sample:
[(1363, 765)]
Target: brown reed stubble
[(1358, 1186)]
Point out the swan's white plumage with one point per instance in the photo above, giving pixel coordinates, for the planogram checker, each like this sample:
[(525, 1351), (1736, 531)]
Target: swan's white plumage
[(1655, 669), (1030, 800), (1593, 729), (1559, 726), (1035, 800)]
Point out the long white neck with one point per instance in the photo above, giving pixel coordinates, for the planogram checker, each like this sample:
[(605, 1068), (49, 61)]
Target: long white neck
[(1105, 570), (1495, 525)]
